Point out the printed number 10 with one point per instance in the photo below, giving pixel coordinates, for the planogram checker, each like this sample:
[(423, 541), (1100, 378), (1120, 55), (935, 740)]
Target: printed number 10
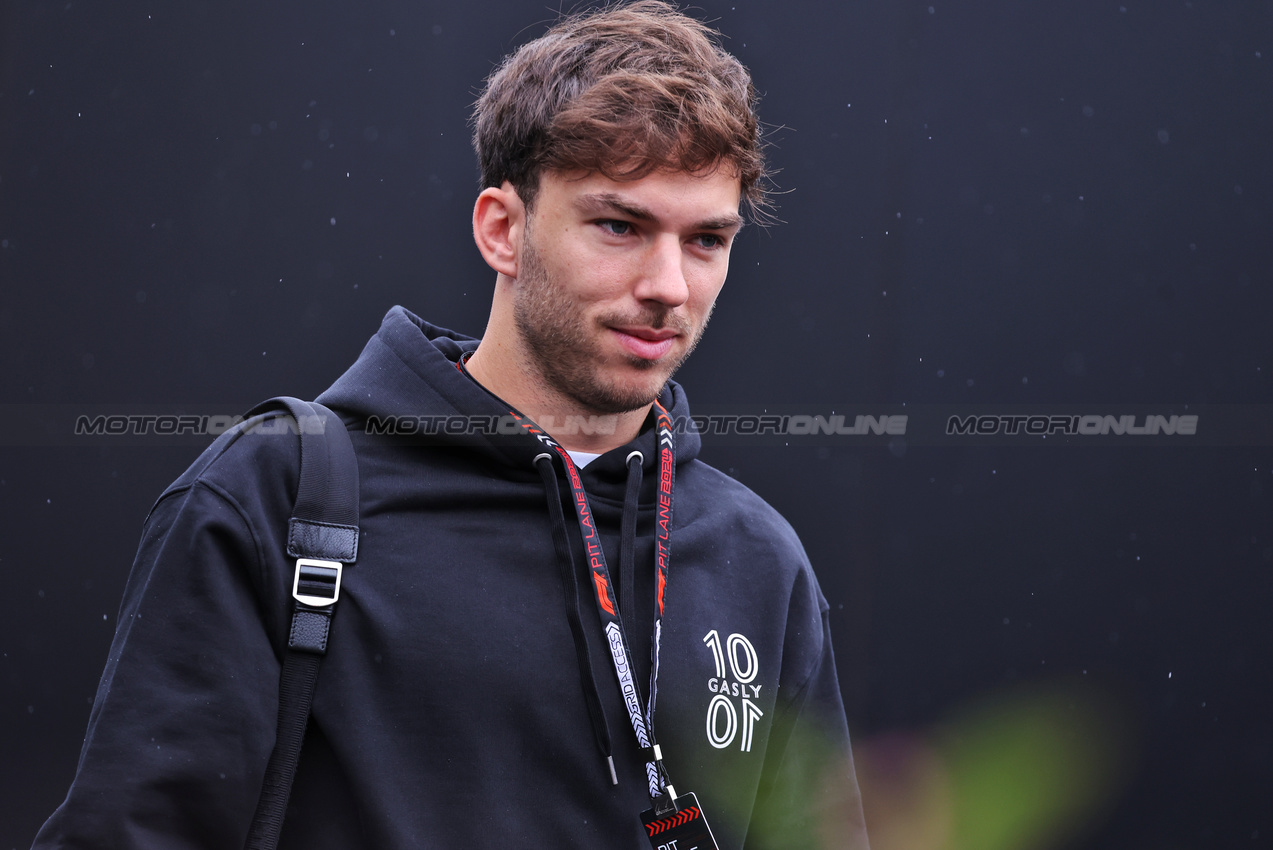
[(744, 671), (743, 674)]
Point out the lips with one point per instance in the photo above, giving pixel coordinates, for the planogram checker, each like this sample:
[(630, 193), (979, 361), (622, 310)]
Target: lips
[(646, 343)]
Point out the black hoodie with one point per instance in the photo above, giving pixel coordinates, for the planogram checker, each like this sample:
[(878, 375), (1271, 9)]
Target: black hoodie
[(452, 710)]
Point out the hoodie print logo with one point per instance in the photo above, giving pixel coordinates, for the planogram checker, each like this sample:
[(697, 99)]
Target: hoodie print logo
[(732, 709)]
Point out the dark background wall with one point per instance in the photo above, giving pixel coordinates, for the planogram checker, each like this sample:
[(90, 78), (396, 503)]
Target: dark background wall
[(991, 207)]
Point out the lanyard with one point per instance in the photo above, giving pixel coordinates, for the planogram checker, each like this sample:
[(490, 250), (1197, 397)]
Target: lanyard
[(612, 624)]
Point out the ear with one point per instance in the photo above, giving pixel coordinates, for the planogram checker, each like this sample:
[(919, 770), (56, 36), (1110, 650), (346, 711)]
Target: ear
[(499, 218)]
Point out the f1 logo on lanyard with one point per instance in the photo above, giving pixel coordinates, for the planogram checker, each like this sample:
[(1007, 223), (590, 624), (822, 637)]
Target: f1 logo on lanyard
[(682, 828)]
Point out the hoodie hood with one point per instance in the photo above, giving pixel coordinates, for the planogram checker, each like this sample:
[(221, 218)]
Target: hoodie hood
[(406, 383)]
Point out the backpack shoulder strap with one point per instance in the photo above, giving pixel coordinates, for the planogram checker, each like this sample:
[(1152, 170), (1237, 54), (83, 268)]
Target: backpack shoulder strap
[(322, 535)]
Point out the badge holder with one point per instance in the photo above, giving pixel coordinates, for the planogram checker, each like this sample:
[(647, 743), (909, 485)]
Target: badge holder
[(678, 826)]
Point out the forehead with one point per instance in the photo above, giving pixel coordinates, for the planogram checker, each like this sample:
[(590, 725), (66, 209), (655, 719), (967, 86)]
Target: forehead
[(674, 199)]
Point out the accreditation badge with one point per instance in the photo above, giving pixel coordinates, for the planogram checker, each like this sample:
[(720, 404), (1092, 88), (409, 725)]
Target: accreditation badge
[(681, 828)]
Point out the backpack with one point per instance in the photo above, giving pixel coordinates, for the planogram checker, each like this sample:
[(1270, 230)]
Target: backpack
[(322, 535)]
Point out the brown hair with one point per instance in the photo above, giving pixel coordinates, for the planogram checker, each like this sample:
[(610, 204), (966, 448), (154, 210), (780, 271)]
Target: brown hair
[(622, 91)]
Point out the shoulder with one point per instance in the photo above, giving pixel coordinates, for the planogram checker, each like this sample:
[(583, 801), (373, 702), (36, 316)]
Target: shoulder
[(246, 465), (236, 498), (707, 495), (224, 523)]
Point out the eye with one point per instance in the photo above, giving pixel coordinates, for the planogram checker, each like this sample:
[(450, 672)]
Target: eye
[(615, 227), (711, 241)]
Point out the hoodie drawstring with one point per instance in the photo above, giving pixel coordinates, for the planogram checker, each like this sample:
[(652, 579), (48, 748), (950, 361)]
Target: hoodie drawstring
[(570, 586), (627, 537)]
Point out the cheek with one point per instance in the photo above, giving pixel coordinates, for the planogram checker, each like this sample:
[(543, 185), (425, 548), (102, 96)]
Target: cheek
[(705, 287), (578, 279), (602, 279)]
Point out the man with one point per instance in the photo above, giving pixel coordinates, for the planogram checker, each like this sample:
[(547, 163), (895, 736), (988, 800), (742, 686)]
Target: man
[(478, 688)]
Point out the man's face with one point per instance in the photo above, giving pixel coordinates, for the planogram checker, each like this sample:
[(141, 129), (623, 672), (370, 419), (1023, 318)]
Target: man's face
[(616, 280)]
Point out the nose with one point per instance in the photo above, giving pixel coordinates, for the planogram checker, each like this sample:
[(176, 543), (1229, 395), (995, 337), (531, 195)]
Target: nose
[(663, 279)]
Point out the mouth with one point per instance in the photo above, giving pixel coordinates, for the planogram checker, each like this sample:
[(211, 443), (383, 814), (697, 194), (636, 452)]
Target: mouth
[(644, 342)]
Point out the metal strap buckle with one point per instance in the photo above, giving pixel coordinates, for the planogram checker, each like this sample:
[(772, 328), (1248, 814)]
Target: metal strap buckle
[(319, 577)]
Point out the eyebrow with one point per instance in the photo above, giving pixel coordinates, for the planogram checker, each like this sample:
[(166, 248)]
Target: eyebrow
[(602, 202)]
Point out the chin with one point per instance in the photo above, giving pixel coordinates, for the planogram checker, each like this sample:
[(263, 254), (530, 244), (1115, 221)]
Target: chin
[(621, 397)]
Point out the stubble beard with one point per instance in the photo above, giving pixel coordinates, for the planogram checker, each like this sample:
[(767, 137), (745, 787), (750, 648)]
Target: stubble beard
[(562, 345)]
